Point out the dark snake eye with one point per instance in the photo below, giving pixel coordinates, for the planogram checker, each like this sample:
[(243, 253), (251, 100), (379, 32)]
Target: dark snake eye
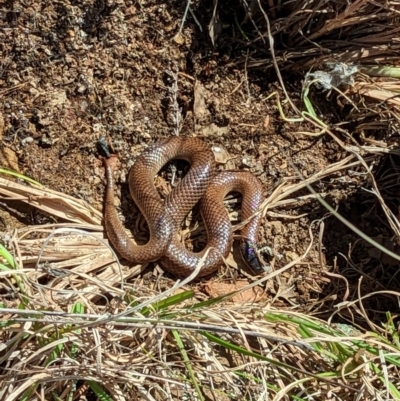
[(250, 256)]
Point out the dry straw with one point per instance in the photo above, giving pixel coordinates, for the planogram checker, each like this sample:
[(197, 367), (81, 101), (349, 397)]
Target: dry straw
[(79, 320)]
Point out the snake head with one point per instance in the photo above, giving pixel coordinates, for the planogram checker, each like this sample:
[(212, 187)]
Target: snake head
[(248, 250)]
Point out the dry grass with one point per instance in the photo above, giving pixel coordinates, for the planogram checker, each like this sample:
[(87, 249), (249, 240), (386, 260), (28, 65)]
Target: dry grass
[(78, 322), (316, 32)]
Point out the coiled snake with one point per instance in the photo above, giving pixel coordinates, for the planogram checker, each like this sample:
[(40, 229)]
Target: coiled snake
[(164, 216)]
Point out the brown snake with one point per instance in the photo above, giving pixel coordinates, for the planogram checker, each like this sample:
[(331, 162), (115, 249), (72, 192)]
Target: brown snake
[(164, 216)]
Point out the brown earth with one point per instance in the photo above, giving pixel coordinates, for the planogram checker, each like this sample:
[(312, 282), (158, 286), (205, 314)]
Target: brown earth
[(74, 71)]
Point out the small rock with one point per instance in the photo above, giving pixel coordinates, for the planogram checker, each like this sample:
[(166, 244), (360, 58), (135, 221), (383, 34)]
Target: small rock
[(221, 155), (27, 141), (276, 226)]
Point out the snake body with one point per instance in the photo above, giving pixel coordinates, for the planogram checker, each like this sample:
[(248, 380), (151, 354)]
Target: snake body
[(164, 216)]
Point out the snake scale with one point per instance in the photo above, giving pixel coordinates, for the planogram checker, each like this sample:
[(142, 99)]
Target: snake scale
[(164, 216)]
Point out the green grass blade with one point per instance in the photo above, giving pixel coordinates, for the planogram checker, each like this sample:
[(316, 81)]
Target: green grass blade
[(234, 347), (20, 176), (166, 303), (77, 308), (7, 256), (11, 265), (188, 365), (99, 391)]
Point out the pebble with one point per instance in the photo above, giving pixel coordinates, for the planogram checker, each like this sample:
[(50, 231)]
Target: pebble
[(27, 141)]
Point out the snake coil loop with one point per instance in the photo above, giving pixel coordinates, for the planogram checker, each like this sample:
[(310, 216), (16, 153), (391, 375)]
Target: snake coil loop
[(164, 217)]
